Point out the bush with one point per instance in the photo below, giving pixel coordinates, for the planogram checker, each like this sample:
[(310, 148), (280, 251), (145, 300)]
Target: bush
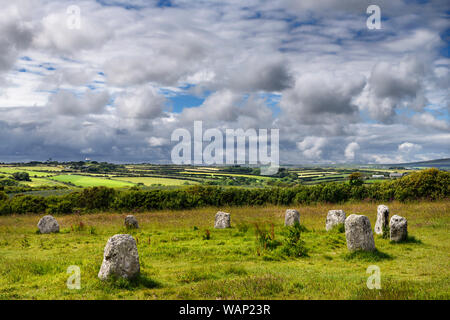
[(293, 245), (21, 176), (27, 204), (3, 196), (265, 239), (8, 183), (61, 207)]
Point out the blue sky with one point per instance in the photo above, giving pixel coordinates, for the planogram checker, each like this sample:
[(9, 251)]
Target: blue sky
[(135, 71)]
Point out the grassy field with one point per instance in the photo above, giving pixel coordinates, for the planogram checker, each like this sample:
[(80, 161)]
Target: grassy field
[(90, 181), (30, 172), (212, 174), (177, 263)]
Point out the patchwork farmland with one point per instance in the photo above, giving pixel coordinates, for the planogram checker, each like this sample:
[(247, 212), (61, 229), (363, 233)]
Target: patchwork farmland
[(78, 175)]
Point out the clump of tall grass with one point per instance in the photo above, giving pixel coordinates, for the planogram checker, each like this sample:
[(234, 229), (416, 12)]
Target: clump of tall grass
[(293, 244)]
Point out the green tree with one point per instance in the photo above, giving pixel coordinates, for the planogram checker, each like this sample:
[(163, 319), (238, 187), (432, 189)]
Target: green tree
[(356, 179), (21, 176)]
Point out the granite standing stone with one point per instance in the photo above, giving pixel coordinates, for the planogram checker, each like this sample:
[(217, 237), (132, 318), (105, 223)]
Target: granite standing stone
[(382, 219), (131, 222), (291, 217), (48, 224), (398, 228), (223, 220), (120, 258), (358, 233), (334, 218)]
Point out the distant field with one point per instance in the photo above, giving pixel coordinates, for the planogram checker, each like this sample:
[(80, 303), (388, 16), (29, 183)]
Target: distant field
[(38, 182), (89, 181), (9, 170), (226, 174), (148, 181)]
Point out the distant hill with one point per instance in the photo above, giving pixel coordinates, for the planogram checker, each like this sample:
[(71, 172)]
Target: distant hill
[(431, 163)]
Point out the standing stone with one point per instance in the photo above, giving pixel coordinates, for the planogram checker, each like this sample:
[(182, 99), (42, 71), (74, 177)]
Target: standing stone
[(120, 258), (334, 218), (223, 220), (358, 233), (382, 219), (291, 217), (398, 228), (131, 222), (48, 224)]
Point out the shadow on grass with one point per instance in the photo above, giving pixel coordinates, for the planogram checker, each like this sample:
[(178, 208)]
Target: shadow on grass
[(409, 239), (369, 256), (141, 281)]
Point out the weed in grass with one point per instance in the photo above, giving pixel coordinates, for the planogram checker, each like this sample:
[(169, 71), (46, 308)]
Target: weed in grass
[(293, 245), (25, 243), (266, 239), (207, 235), (78, 227)]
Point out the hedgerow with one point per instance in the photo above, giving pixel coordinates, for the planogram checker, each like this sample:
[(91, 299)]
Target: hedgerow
[(431, 184)]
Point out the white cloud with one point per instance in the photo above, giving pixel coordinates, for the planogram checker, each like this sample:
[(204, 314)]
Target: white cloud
[(408, 147), (350, 150), (311, 147)]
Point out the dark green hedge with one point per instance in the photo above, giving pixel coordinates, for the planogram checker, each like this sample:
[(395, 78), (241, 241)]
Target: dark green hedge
[(430, 184)]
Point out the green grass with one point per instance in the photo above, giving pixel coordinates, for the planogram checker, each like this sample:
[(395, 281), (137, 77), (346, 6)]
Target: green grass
[(176, 263), (90, 181), (214, 174), (32, 173), (38, 182), (148, 181)]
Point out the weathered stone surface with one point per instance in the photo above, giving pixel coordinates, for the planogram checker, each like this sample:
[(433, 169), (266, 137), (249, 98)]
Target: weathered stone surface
[(291, 217), (48, 224), (398, 228), (131, 222), (334, 218), (223, 220), (382, 219), (358, 233), (120, 258)]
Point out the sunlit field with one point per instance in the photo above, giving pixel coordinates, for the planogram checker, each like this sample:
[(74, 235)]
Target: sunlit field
[(178, 262)]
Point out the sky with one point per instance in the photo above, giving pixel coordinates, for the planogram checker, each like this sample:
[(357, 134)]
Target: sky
[(115, 86)]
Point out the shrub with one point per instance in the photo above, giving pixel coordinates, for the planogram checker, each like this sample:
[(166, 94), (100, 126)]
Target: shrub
[(265, 239), (21, 176), (3, 196), (27, 204), (61, 207)]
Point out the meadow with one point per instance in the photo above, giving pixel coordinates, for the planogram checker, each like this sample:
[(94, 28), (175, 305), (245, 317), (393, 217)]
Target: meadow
[(91, 181), (178, 261)]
